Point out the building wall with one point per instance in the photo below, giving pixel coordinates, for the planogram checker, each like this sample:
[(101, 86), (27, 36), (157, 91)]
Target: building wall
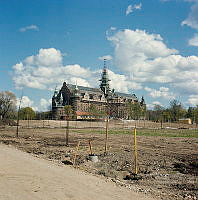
[(116, 106)]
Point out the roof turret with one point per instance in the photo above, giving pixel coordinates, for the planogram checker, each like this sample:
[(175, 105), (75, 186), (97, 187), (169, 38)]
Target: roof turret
[(104, 85)]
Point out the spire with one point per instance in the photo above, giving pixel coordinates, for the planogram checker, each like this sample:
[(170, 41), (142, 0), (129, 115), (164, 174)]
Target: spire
[(104, 85), (76, 90), (61, 98), (55, 91), (142, 102)]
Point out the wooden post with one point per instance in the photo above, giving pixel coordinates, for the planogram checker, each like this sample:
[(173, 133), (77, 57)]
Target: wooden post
[(107, 130), (17, 131), (28, 120), (135, 153), (90, 148), (77, 148), (67, 132)]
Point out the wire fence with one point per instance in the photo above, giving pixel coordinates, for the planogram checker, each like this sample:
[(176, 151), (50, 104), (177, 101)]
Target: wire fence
[(113, 124)]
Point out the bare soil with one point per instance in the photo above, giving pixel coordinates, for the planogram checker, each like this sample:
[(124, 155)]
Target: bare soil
[(167, 166), (24, 176)]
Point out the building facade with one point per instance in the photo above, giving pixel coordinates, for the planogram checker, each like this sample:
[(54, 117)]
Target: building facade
[(89, 103)]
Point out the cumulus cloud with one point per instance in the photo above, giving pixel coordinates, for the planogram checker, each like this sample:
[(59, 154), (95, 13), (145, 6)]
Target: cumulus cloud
[(45, 105), (193, 41), (147, 59), (122, 83), (193, 100), (163, 92), (25, 102), (46, 70), (153, 104), (31, 27), (131, 8)]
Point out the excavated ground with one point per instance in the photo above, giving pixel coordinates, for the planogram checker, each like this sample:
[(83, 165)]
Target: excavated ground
[(168, 166)]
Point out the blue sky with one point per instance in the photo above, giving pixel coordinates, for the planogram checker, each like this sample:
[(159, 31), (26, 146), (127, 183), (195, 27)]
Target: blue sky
[(151, 45)]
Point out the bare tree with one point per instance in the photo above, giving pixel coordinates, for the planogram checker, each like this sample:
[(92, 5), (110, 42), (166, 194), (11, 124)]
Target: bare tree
[(7, 104)]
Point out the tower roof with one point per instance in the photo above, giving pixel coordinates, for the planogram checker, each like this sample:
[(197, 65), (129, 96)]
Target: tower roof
[(104, 85)]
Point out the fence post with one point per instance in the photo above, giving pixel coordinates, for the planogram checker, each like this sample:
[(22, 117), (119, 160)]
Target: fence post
[(67, 132), (77, 148), (135, 153), (90, 148), (107, 131)]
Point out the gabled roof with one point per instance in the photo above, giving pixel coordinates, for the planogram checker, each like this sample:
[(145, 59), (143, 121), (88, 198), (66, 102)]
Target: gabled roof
[(97, 90), (126, 95), (82, 88)]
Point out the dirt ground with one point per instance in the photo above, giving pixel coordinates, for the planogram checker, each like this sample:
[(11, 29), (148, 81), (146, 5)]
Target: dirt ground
[(23, 176), (168, 166)]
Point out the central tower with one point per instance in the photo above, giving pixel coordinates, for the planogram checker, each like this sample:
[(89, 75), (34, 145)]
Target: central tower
[(104, 85)]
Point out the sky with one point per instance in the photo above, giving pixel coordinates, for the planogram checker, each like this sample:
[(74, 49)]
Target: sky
[(151, 48)]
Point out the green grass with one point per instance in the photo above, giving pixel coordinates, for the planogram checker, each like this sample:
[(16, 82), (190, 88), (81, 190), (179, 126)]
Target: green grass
[(148, 132)]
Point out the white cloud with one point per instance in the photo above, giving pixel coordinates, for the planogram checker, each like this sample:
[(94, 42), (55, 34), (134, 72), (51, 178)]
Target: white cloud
[(45, 70), (107, 57), (163, 92), (131, 8), (122, 83), (146, 59), (46, 57), (25, 102), (192, 19), (45, 105), (153, 104), (31, 27), (193, 41), (193, 100)]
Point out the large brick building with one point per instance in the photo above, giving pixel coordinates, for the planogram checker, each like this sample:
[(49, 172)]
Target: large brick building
[(83, 99)]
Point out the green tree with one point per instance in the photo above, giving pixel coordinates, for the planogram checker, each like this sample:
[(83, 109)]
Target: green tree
[(195, 115), (68, 111), (166, 115), (158, 112), (190, 113), (95, 112), (27, 113), (7, 105), (134, 110), (176, 110)]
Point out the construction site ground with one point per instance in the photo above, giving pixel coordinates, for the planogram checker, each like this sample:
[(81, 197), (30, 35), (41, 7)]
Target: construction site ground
[(167, 157)]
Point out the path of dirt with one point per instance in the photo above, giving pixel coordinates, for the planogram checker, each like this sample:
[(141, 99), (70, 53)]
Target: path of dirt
[(23, 176)]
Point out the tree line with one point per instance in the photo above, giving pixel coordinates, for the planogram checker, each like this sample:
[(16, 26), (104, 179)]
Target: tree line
[(172, 113)]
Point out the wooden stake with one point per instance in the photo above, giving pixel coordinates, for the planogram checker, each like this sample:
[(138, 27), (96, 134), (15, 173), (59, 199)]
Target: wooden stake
[(67, 133), (135, 153), (28, 120), (17, 131), (107, 131), (77, 148), (90, 148)]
